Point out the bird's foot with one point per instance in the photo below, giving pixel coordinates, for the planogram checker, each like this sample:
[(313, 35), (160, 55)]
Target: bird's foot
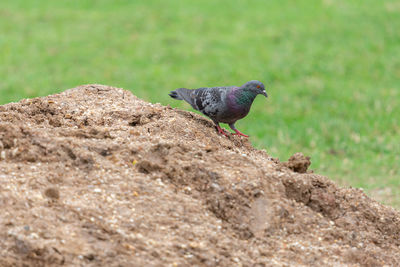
[(221, 131), (239, 133)]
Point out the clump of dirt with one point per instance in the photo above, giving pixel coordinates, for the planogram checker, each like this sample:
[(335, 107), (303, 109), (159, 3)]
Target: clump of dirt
[(298, 163), (95, 176)]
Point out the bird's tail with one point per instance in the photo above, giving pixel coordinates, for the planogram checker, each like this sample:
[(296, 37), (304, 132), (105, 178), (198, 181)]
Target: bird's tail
[(184, 94), (174, 94)]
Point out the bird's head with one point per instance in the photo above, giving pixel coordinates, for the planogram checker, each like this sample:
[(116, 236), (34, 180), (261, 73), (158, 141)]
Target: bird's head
[(256, 87)]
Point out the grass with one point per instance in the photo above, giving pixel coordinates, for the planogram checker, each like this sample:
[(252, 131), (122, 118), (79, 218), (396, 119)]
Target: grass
[(332, 68)]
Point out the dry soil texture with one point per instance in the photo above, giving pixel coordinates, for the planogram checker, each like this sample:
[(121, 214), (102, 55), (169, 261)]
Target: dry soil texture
[(95, 176)]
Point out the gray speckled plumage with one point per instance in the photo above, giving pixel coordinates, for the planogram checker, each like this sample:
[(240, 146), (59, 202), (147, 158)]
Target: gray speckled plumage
[(222, 104)]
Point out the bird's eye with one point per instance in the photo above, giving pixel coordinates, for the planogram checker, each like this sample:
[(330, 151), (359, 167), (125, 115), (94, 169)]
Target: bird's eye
[(258, 86)]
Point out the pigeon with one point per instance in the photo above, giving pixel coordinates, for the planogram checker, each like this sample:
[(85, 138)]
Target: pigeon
[(222, 104)]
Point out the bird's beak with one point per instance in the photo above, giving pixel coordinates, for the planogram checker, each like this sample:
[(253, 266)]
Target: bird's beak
[(264, 94)]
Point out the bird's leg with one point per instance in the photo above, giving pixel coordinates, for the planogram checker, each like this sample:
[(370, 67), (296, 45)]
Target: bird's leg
[(220, 130), (237, 132)]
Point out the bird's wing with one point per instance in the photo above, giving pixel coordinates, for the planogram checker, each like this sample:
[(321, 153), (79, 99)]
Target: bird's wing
[(209, 101)]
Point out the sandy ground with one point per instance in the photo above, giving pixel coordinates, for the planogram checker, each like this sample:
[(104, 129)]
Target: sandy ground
[(95, 176)]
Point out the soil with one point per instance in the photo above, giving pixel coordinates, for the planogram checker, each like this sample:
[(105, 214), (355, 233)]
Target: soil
[(95, 176)]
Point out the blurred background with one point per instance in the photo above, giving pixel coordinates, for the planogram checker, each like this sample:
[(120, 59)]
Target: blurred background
[(331, 68)]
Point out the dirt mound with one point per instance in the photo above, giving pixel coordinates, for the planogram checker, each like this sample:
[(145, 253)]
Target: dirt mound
[(97, 177)]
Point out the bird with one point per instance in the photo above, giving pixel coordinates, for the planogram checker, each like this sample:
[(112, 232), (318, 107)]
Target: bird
[(226, 104)]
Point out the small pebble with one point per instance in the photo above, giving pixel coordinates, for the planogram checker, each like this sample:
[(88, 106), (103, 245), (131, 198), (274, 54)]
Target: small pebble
[(52, 192)]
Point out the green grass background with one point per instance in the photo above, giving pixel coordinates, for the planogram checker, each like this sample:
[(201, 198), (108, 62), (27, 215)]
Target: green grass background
[(331, 67)]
